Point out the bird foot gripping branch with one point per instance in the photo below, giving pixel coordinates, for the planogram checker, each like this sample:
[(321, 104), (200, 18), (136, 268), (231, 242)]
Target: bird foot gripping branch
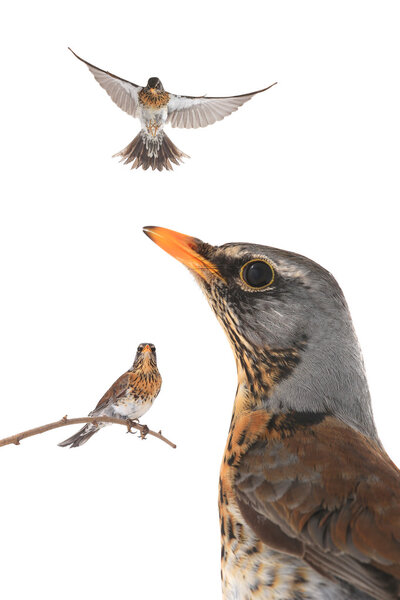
[(144, 432), (130, 424), (143, 429)]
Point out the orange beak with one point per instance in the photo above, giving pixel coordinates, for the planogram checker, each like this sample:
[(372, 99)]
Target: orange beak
[(184, 248), (153, 91), (146, 349)]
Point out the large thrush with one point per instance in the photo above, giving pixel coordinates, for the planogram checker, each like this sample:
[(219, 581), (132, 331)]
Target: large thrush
[(309, 500)]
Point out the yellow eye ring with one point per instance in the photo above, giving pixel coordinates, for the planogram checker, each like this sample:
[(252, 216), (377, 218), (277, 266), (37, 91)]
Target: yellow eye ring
[(257, 274)]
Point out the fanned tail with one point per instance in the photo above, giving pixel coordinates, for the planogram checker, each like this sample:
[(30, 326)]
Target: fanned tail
[(156, 152), (81, 437)]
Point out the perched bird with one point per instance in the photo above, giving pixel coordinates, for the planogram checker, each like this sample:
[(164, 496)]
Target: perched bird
[(155, 107), (130, 397), (309, 500)]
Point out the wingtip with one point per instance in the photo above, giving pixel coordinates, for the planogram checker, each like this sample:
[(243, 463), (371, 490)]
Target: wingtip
[(75, 54), (269, 87), (263, 89)]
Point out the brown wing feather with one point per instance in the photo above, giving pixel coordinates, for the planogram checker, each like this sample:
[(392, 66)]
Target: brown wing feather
[(337, 493), (117, 390)]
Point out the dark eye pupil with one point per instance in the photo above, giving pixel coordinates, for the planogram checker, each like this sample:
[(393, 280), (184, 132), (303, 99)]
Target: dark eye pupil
[(257, 274)]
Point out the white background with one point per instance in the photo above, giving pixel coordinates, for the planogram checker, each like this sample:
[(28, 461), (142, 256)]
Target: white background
[(309, 166)]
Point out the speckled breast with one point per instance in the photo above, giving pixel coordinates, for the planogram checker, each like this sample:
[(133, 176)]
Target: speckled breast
[(154, 101), (249, 568)]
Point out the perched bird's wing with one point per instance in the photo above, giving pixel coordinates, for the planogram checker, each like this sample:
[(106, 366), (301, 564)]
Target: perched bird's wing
[(193, 112), (117, 390), (330, 495), (122, 92)]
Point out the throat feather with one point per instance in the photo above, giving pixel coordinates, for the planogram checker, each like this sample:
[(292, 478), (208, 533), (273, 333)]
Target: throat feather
[(260, 368), (153, 100)]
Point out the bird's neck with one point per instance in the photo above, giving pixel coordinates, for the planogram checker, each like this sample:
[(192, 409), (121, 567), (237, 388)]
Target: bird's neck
[(145, 367), (310, 375), (260, 371)]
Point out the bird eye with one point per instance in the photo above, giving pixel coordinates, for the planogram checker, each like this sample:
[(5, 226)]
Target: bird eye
[(152, 348), (257, 274)]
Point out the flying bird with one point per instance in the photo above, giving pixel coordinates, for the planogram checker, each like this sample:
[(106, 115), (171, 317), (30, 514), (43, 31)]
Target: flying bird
[(309, 501), (130, 397), (155, 107)]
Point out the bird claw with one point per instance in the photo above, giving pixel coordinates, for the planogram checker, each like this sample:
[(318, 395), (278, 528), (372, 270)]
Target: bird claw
[(129, 424), (144, 431)]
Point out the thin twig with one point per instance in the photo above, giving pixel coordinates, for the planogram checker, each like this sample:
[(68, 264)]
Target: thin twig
[(144, 430)]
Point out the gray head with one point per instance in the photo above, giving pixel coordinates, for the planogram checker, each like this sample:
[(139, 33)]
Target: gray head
[(154, 85), (288, 324)]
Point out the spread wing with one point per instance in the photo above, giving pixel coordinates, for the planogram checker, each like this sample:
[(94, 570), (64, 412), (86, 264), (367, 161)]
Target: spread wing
[(193, 112), (117, 390), (331, 496), (122, 92)]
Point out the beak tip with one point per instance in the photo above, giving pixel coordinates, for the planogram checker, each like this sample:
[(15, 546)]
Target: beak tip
[(186, 249), (150, 230)]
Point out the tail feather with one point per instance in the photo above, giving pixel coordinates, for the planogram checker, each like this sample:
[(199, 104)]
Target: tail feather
[(158, 152), (81, 437)]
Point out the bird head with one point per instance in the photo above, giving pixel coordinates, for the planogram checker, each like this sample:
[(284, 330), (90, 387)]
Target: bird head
[(145, 357), (154, 86), (287, 321)]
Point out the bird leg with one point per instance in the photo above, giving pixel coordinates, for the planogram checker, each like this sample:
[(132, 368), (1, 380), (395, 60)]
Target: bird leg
[(152, 127)]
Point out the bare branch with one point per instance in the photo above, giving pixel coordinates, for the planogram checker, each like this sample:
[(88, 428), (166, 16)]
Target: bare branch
[(144, 430)]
